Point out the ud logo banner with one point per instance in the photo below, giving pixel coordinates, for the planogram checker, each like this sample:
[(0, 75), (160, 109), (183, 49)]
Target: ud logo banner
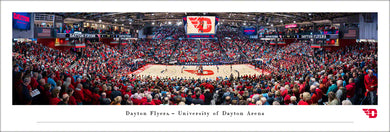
[(371, 113), (200, 24), (203, 24)]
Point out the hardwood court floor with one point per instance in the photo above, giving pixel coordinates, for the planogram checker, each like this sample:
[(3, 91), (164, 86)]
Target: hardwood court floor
[(210, 72)]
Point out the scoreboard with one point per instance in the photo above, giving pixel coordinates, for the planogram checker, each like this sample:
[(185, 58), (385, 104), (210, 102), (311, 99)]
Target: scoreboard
[(200, 26)]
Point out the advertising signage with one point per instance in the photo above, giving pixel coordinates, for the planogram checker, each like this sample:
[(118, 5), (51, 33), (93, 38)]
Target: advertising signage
[(250, 31), (83, 35), (123, 36), (72, 35), (201, 36), (319, 36), (271, 36), (291, 26), (21, 20)]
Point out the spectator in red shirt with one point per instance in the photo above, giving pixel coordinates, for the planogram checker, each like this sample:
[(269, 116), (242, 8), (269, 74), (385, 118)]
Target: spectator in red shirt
[(287, 98), (135, 99), (64, 100), (371, 84), (87, 96), (95, 97), (149, 100), (128, 92), (34, 80), (79, 95), (156, 100), (54, 100), (305, 99), (302, 86), (314, 96), (351, 90), (72, 100)]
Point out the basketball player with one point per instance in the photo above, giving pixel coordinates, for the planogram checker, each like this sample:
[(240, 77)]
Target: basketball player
[(201, 69), (231, 67), (217, 69), (182, 69)]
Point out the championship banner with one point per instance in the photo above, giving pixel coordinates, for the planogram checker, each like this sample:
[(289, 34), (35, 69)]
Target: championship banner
[(43, 32)]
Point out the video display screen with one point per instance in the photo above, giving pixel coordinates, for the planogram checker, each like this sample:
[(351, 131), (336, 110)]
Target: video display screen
[(249, 31), (200, 25), (21, 20)]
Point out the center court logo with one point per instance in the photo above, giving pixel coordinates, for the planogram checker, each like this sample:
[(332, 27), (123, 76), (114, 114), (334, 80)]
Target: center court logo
[(205, 72), (371, 113)]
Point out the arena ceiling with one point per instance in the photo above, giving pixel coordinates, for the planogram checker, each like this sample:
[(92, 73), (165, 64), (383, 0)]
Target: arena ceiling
[(230, 18)]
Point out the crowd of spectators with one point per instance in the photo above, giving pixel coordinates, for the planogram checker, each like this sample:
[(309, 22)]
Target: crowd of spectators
[(157, 51), (172, 32), (225, 31), (232, 51), (210, 51), (186, 51)]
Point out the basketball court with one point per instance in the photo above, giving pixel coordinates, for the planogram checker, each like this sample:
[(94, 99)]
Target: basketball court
[(209, 72)]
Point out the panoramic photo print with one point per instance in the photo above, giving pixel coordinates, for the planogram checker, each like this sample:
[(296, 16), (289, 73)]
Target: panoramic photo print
[(194, 58)]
